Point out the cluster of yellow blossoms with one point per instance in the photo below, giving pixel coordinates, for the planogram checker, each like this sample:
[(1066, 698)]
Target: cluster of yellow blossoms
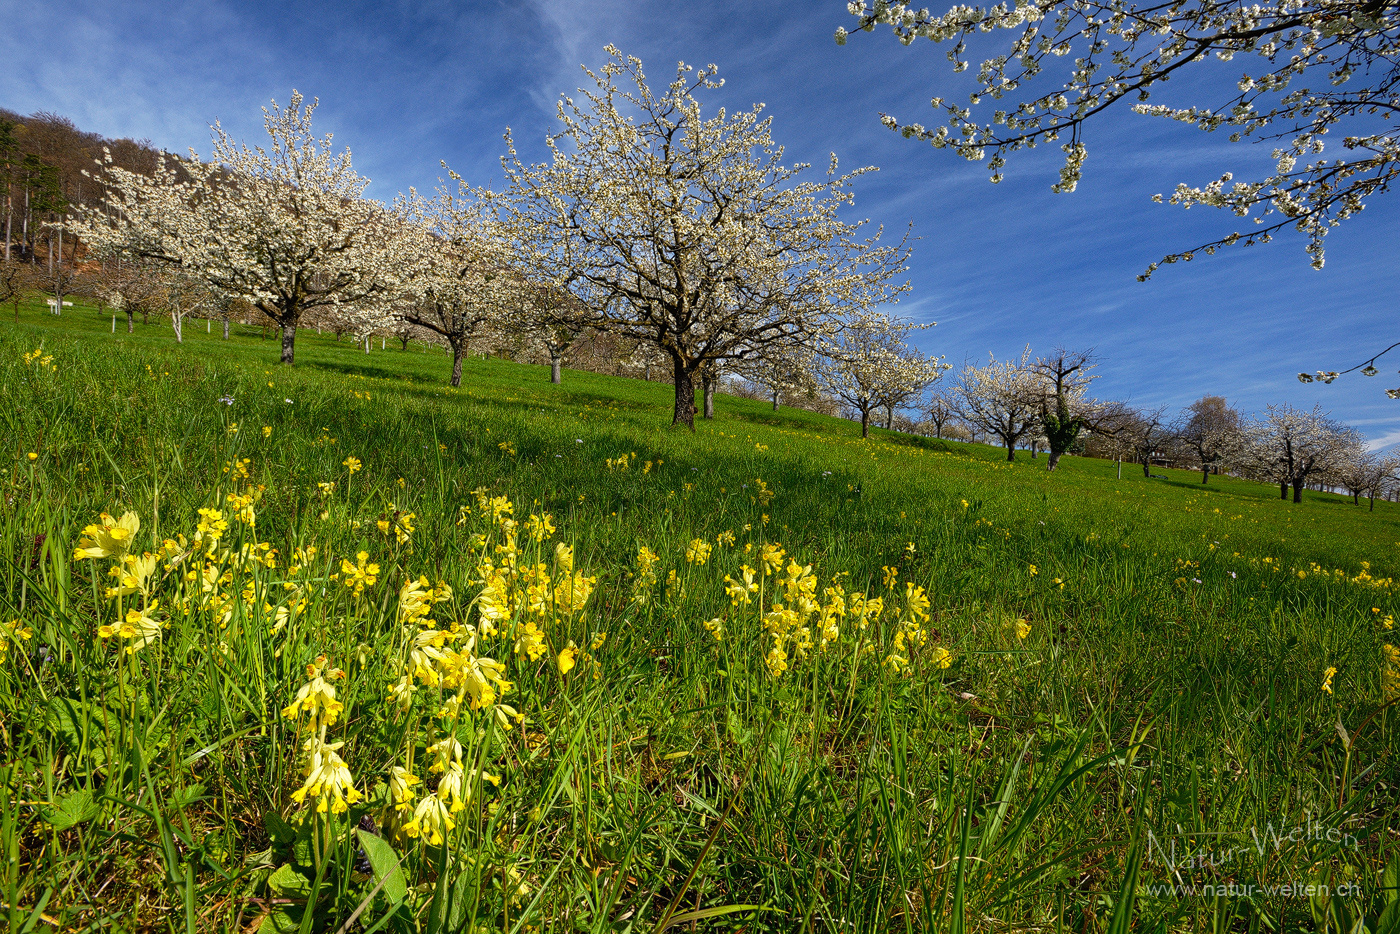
[(328, 781)]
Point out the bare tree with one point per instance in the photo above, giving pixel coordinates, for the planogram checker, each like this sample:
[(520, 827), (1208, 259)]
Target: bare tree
[(1064, 410), (14, 283), (1211, 430), (942, 411)]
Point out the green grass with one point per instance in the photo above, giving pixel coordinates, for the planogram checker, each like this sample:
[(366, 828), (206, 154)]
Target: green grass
[(1168, 691)]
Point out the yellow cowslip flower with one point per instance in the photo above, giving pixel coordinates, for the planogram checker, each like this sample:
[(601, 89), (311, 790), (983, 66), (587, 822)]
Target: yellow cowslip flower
[(498, 508), (415, 601), (772, 557), (495, 603), (697, 552), (133, 575), (12, 633), (403, 527), (480, 681), (598, 640), (32, 456), (1034, 571), (916, 600), (242, 507), (941, 657), (1023, 629), (316, 698), (571, 593), (910, 548), (738, 591), (352, 464), (431, 820), (327, 487), (425, 652), (212, 526), (529, 641), (110, 539), (1327, 679), (539, 527), (566, 658), (138, 626), (563, 557), (328, 778), (725, 538), (716, 628), (891, 576), (267, 431), (361, 575), (1390, 675), (402, 691)]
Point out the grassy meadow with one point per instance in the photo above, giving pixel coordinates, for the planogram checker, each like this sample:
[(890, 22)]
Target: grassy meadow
[(519, 657)]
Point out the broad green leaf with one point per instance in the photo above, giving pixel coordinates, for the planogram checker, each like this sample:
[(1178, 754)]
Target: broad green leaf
[(286, 882), (70, 810), (385, 863)]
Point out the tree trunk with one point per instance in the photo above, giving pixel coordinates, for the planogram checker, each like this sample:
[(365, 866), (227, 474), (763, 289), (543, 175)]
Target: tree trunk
[(1205, 474), (1147, 469), (1356, 498), (1035, 450), (556, 364), (178, 320), (456, 365), (1283, 489), (775, 400), (289, 341), (685, 396), (1373, 503), (1297, 491), (225, 329), (405, 342), (865, 423), (1052, 460), (707, 388), (1010, 448), (889, 418), (130, 320)]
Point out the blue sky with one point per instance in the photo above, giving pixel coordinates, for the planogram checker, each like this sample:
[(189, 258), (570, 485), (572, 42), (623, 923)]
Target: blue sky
[(405, 85)]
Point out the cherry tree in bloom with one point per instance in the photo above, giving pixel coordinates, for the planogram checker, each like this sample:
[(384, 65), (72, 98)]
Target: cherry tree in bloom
[(1287, 446), (1318, 70), (465, 286), (781, 370), (869, 366), (1001, 399), (688, 232), (285, 228)]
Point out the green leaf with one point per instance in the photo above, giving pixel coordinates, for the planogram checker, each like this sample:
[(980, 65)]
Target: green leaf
[(278, 830), (286, 882), (70, 810), (184, 797), (1390, 881), (385, 863)]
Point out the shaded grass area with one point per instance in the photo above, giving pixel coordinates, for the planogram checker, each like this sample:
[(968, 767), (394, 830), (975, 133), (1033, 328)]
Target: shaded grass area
[(1162, 714)]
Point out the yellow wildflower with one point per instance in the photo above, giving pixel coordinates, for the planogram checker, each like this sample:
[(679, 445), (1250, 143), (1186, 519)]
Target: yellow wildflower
[(697, 552), (566, 658), (1327, 679), (352, 464), (110, 539)]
